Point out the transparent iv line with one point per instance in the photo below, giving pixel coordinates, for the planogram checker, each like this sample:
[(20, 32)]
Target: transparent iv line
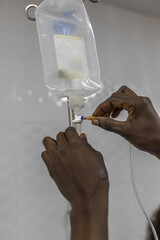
[(137, 195)]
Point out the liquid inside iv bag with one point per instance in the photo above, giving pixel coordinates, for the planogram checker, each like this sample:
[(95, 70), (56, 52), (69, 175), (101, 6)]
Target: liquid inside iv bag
[(68, 49)]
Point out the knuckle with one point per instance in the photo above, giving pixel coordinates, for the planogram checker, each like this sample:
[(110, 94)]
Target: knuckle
[(105, 124), (74, 143), (124, 87), (61, 151), (120, 90), (145, 100)]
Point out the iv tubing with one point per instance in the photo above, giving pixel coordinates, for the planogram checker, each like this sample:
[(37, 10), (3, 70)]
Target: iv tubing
[(137, 195)]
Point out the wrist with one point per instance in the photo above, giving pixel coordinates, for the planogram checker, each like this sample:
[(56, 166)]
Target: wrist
[(155, 145), (90, 209)]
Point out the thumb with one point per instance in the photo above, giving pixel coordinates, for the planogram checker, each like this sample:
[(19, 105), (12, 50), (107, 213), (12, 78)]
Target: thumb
[(111, 125)]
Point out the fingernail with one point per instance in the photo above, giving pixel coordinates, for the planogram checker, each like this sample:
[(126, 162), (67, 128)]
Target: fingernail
[(95, 122)]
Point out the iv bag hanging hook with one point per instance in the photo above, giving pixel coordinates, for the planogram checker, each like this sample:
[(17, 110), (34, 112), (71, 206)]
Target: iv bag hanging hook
[(27, 11), (35, 6)]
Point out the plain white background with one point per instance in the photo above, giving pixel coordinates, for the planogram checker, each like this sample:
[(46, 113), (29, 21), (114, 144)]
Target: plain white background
[(31, 207)]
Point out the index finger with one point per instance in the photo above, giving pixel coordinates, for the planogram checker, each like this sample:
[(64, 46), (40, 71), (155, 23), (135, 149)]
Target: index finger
[(114, 102), (107, 107), (103, 108)]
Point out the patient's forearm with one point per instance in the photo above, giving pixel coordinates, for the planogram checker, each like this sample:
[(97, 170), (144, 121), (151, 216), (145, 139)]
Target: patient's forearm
[(89, 221)]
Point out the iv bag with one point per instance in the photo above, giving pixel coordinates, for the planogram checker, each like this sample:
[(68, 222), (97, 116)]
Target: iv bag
[(68, 50)]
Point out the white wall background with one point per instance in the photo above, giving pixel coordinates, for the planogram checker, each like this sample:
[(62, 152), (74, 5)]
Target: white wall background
[(129, 52)]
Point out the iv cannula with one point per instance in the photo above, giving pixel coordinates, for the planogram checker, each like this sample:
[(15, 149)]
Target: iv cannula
[(89, 117), (79, 119)]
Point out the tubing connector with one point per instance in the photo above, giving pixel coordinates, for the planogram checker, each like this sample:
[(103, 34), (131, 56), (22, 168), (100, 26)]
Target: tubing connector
[(75, 104)]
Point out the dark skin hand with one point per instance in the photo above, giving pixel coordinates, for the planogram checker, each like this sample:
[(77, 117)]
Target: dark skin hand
[(142, 127), (81, 176), (79, 170)]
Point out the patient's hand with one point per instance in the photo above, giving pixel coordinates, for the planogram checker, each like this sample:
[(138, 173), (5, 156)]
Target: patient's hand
[(78, 169)]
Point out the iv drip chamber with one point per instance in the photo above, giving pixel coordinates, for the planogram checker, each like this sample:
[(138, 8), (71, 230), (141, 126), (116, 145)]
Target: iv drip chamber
[(68, 49)]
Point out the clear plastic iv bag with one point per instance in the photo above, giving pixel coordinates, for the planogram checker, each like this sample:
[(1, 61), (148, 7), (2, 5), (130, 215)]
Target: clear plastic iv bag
[(68, 49)]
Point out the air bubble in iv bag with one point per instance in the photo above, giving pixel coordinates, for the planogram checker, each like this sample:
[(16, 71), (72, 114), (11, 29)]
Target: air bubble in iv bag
[(68, 49)]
